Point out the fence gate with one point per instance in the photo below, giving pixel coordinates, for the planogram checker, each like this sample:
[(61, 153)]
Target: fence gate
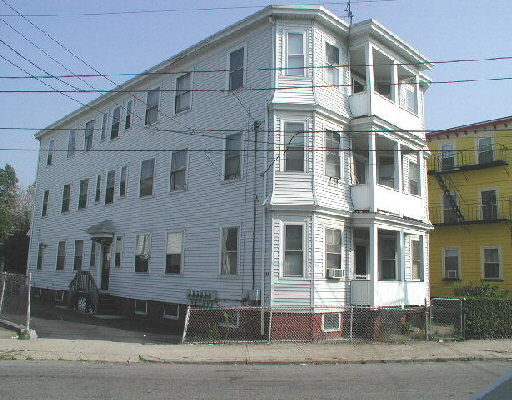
[(15, 299), (446, 319)]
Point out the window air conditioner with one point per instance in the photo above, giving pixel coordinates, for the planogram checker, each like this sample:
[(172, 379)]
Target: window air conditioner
[(334, 273)]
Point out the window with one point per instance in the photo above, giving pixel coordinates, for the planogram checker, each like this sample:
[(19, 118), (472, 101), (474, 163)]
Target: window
[(116, 122), (40, 256), (447, 156), (293, 251), (128, 118), (451, 264), (174, 253), (46, 197), (411, 98), (295, 59), (122, 181), (489, 205), (152, 102), (89, 135), (79, 255), (449, 208), (104, 126), (71, 143), (485, 150), (178, 177), (332, 154), (387, 256), (82, 196), (97, 196), (332, 58), (182, 97), (331, 322), (294, 146), (236, 69), (92, 260), (142, 252), (118, 251), (333, 248), (229, 262), (66, 197), (414, 178), (61, 255), (232, 156), (417, 259), (386, 169), (141, 307), (147, 173), (172, 311), (357, 85), (492, 263), (109, 191), (49, 156)]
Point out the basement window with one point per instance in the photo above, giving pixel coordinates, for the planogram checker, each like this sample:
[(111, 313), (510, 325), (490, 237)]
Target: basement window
[(331, 322), (172, 311), (141, 307)]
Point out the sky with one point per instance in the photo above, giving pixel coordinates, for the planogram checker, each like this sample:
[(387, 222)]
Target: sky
[(131, 43)]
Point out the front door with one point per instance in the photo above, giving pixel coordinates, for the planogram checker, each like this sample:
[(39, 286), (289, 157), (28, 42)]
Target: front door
[(105, 265)]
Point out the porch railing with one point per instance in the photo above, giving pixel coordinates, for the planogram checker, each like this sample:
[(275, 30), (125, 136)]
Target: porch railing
[(461, 160), (83, 292), (473, 213)]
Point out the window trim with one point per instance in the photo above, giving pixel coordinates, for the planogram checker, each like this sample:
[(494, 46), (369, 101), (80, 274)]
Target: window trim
[(297, 31), (283, 249), (135, 253), (221, 250), (500, 262), (182, 260), (337, 329), (244, 68), (242, 141), (171, 190), (459, 263), (157, 88), (171, 316), (140, 312), (176, 95)]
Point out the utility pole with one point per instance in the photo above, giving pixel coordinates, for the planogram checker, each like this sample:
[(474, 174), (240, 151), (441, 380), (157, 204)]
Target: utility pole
[(350, 15)]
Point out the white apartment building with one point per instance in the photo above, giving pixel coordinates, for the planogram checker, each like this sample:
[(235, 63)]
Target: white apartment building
[(280, 161)]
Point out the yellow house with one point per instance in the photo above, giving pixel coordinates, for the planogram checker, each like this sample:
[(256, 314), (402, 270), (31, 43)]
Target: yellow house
[(470, 192)]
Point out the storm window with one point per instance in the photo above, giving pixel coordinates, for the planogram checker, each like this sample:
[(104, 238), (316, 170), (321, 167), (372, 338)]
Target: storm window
[(229, 259)]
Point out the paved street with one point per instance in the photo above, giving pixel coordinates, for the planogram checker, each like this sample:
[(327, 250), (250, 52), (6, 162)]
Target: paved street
[(75, 380)]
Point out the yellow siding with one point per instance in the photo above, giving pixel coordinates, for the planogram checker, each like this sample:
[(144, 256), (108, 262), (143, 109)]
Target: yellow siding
[(470, 238)]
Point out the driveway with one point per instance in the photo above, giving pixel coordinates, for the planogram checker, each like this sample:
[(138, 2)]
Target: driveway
[(59, 322)]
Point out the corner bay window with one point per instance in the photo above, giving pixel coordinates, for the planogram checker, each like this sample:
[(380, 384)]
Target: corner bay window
[(232, 161), (295, 56), (293, 251), (294, 146), (174, 256), (229, 258), (142, 252), (147, 174)]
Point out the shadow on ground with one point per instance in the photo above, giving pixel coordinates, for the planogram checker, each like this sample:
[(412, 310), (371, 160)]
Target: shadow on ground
[(60, 322)]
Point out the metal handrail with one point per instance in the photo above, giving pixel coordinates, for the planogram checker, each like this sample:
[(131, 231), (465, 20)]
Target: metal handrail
[(473, 212)]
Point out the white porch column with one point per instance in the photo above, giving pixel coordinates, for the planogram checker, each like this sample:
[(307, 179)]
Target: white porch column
[(372, 169), (401, 265), (399, 173), (373, 263), (418, 95), (370, 79), (394, 83)]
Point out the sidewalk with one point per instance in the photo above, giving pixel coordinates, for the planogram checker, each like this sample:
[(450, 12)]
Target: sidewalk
[(254, 353)]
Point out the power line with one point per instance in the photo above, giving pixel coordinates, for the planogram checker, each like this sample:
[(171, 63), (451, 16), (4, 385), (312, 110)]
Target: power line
[(225, 70)]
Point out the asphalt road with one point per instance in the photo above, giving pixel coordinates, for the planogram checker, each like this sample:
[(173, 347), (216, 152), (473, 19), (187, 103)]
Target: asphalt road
[(82, 380)]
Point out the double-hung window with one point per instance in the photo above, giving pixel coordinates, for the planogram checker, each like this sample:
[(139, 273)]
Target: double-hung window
[(49, 156), (104, 126), (236, 69), (332, 154), (232, 160), (89, 135), (294, 146), (489, 205), (387, 256), (295, 55), (293, 251), (492, 268), (128, 117), (116, 123), (485, 150), (118, 251), (40, 256), (174, 253), (333, 248), (417, 259), (447, 156), (97, 195), (71, 143), (142, 252), (386, 170), (66, 198), (147, 175), (182, 98), (82, 196), (152, 103), (46, 198), (79, 255), (110, 187), (451, 264), (332, 58), (122, 181), (414, 178), (61, 255), (230, 245), (178, 177)]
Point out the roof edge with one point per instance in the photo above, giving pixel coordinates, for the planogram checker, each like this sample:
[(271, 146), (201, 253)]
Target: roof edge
[(470, 127)]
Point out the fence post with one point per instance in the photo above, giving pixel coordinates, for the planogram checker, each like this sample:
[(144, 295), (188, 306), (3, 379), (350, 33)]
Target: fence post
[(3, 291), (187, 316), (461, 318), (351, 322), (427, 318), (28, 300)]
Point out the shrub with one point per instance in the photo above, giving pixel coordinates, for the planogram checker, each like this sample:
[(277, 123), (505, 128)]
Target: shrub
[(488, 317)]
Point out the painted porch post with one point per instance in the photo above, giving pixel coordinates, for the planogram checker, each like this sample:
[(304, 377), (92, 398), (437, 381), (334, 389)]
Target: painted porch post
[(372, 170), (374, 263), (399, 172), (401, 265), (368, 55), (394, 83)]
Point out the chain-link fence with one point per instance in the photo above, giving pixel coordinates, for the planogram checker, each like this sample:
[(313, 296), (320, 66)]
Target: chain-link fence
[(15, 299), (446, 319), (304, 324)]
